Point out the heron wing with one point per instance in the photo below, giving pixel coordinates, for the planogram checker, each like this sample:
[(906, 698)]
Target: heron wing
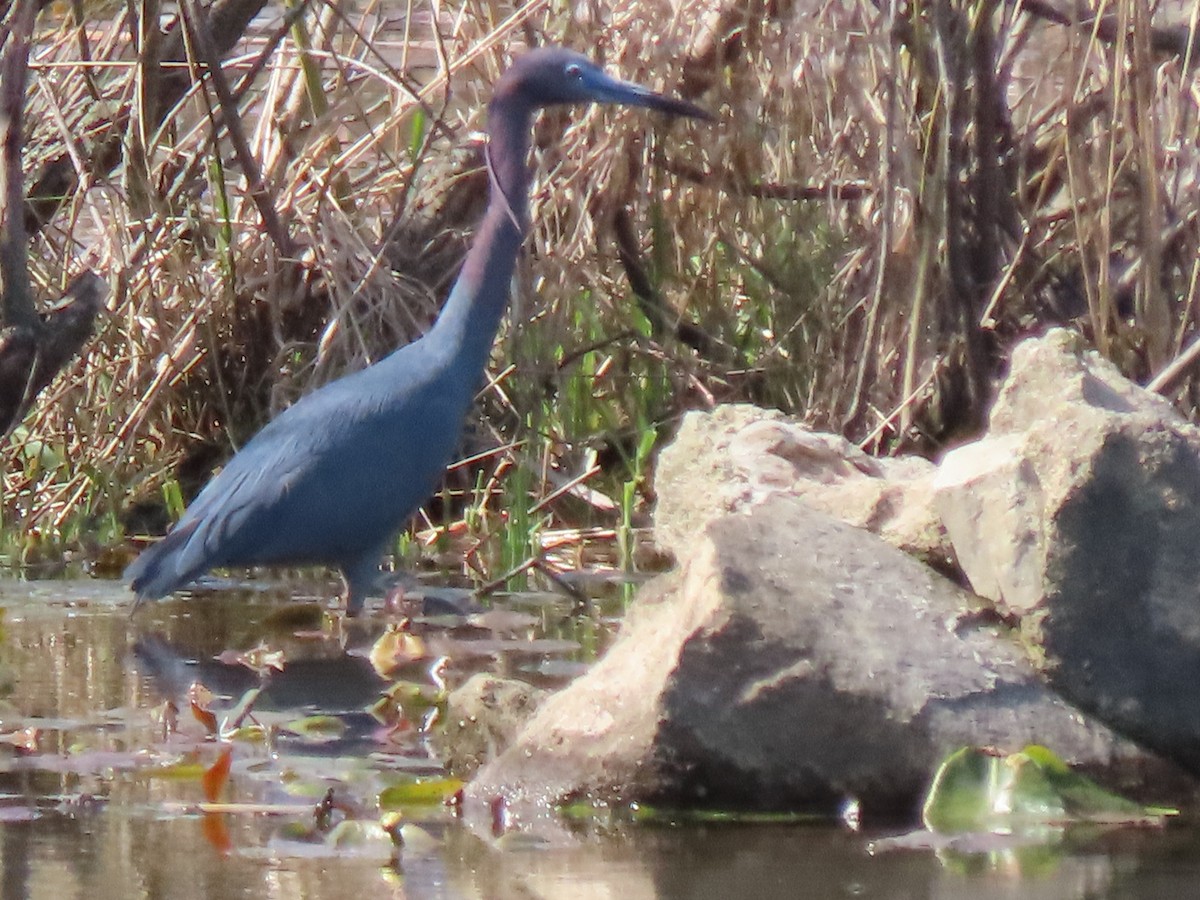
[(330, 476)]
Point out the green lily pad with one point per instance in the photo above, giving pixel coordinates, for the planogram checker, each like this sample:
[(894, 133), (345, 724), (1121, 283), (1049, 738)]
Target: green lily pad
[(317, 728), (980, 790), (418, 792), (254, 734)]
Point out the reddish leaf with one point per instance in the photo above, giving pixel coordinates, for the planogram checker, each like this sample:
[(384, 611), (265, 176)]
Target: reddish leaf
[(201, 699), (205, 718), (215, 776), (216, 832)]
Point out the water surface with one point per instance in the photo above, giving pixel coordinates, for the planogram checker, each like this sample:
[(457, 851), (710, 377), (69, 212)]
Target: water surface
[(100, 798)]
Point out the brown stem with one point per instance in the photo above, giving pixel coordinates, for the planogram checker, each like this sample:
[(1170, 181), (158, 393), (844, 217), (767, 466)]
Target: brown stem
[(198, 30), (15, 294)]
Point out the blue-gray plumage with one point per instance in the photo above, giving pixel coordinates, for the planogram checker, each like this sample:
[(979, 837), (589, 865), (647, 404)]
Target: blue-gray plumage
[(334, 477)]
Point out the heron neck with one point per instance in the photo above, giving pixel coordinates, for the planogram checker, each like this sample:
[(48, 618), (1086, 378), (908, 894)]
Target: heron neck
[(479, 298)]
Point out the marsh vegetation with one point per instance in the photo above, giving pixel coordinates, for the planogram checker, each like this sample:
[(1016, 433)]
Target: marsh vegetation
[(893, 194)]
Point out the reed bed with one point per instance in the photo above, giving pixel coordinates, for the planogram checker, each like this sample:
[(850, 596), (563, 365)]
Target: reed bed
[(891, 197)]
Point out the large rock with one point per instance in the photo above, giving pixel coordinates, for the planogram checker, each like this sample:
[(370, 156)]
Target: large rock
[(735, 456), (1079, 514), (793, 661), (483, 717)]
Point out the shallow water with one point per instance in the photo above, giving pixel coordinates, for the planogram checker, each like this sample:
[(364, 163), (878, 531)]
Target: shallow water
[(99, 799)]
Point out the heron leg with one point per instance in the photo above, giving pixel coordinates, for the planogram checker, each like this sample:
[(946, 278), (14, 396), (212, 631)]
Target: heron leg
[(360, 577)]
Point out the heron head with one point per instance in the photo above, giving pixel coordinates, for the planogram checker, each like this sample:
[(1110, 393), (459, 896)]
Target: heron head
[(552, 76)]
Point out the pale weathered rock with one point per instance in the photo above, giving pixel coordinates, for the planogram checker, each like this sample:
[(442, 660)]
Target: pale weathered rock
[(794, 661), (483, 716), (991, 500), (736, 456), (1080, 514)]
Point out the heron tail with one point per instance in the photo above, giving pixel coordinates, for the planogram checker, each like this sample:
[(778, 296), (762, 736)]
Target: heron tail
[(158, 570)]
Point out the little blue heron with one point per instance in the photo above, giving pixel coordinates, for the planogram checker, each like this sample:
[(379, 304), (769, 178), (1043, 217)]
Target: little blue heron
[(335, 476)]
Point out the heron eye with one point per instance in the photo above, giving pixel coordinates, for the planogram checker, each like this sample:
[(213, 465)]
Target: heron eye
[(574, 70)]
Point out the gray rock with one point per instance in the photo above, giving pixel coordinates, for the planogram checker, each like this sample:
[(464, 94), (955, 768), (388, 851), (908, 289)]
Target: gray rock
[(793, 661), (736, 456), (1080, 514)]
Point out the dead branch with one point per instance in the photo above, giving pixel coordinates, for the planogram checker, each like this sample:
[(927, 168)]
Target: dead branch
[(18, 308), (33, 348), (650, 301), (28, 363)]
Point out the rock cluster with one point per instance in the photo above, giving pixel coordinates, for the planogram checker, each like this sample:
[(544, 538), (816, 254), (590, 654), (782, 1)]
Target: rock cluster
[(809, 648)]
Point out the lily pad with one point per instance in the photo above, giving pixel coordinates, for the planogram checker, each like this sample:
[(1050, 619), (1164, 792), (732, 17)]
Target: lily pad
[(418, 792), (980, 790), (317, 729)]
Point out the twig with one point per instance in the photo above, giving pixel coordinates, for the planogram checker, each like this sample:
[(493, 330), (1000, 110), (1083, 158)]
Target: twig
[(1153, 307), (535, 562), (649, 300), (198, 31), (868, 365), (769, 190), (496, 584), (1165, 381), (564, 488)]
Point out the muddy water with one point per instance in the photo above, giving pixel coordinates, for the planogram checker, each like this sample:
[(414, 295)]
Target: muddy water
[(101, 797)]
